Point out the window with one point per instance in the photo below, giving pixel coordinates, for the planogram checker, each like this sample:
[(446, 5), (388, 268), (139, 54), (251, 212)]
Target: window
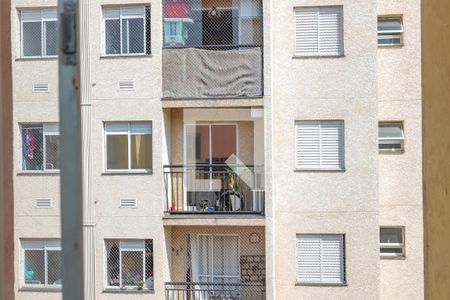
[(39, 33), (42, 263), (390, 31), (40, 147), (392, 242), (318, 31), (129, 264), (390, 137), (320, 259), (126, 30), (129, 146), (319, 145)]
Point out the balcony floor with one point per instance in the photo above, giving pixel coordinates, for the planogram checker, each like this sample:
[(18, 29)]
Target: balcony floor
[(214, 220)]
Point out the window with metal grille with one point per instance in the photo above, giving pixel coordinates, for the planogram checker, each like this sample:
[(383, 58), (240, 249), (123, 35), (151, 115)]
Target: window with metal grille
[(128, 147), (39, 32), (129, 264), (392, 243), (390, 31), (318, 31), (390, 137), (320, 259), (126, 30), (42, 263), (319, 145), (40, 147)]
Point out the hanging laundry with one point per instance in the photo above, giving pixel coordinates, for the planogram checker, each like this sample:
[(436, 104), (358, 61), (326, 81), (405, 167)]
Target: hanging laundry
[(30, 143), (177, 9)]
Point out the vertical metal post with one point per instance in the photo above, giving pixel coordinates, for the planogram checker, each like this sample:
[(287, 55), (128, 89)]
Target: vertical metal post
[(71, 184)]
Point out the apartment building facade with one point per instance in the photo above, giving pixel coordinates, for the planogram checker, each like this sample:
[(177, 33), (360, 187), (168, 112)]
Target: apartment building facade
[(238, 149)]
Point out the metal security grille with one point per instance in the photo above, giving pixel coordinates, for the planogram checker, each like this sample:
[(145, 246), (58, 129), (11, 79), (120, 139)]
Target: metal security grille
[(127, 30), (129, 264), (40, 147), (212, 48), (42, 263), (217, 263)]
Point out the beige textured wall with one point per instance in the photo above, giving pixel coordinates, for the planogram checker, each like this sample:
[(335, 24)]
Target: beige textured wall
[(343, 88), (399, 93), (436, 145)]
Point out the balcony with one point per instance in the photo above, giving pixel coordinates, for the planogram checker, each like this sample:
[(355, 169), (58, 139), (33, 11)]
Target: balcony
[(214, 189), (212, 49), (217, 263)]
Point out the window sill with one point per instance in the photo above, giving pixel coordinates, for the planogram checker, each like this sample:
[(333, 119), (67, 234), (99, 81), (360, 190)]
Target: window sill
[(128, 291), (107, 173), (317, 56), (38, 173), (388, 257), (50, 58), (321, 170), (390, 46), (41, 289), (319, 284), (392, 152), (125, 56)]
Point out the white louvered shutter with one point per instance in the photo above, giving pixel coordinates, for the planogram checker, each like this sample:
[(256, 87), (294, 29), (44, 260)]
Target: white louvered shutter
[(320, 259), (318, 31), (331, 145), (307, 144), (330, 31), (319, 145), (332, 258), (306, 31), (308, 258)]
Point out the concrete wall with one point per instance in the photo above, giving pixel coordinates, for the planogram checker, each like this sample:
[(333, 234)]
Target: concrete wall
[(436, 143), (400, 175), (343, 88)]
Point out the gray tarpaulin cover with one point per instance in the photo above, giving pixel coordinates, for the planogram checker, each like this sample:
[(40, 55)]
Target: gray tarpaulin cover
[(200, 73)]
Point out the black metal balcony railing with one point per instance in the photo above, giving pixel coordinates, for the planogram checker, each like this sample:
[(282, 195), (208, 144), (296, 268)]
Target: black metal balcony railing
[(214, 291), (214, 188)]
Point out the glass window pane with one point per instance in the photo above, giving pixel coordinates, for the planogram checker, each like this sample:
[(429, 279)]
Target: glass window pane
[(112, 36), (117, 152), (390, 131), (141, 151), (136, 35), (51, 38), (34, 267), (223, 142), (197, 144), (32, 147), (32, 39), (113, 267), (52, 152), (149, 264), (125, 28), (389, 24), (391, 235), (391, 251), (132, 268), (54, 262)]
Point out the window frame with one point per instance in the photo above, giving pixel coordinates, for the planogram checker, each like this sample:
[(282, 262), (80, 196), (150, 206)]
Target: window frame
[(298, 168), (318, 54), (42, 21), (119, 243), (46, 248), (128, 133), (146, 30), (393, 245), (343, 262), (44, 147), (387, 141), (392, 33)]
